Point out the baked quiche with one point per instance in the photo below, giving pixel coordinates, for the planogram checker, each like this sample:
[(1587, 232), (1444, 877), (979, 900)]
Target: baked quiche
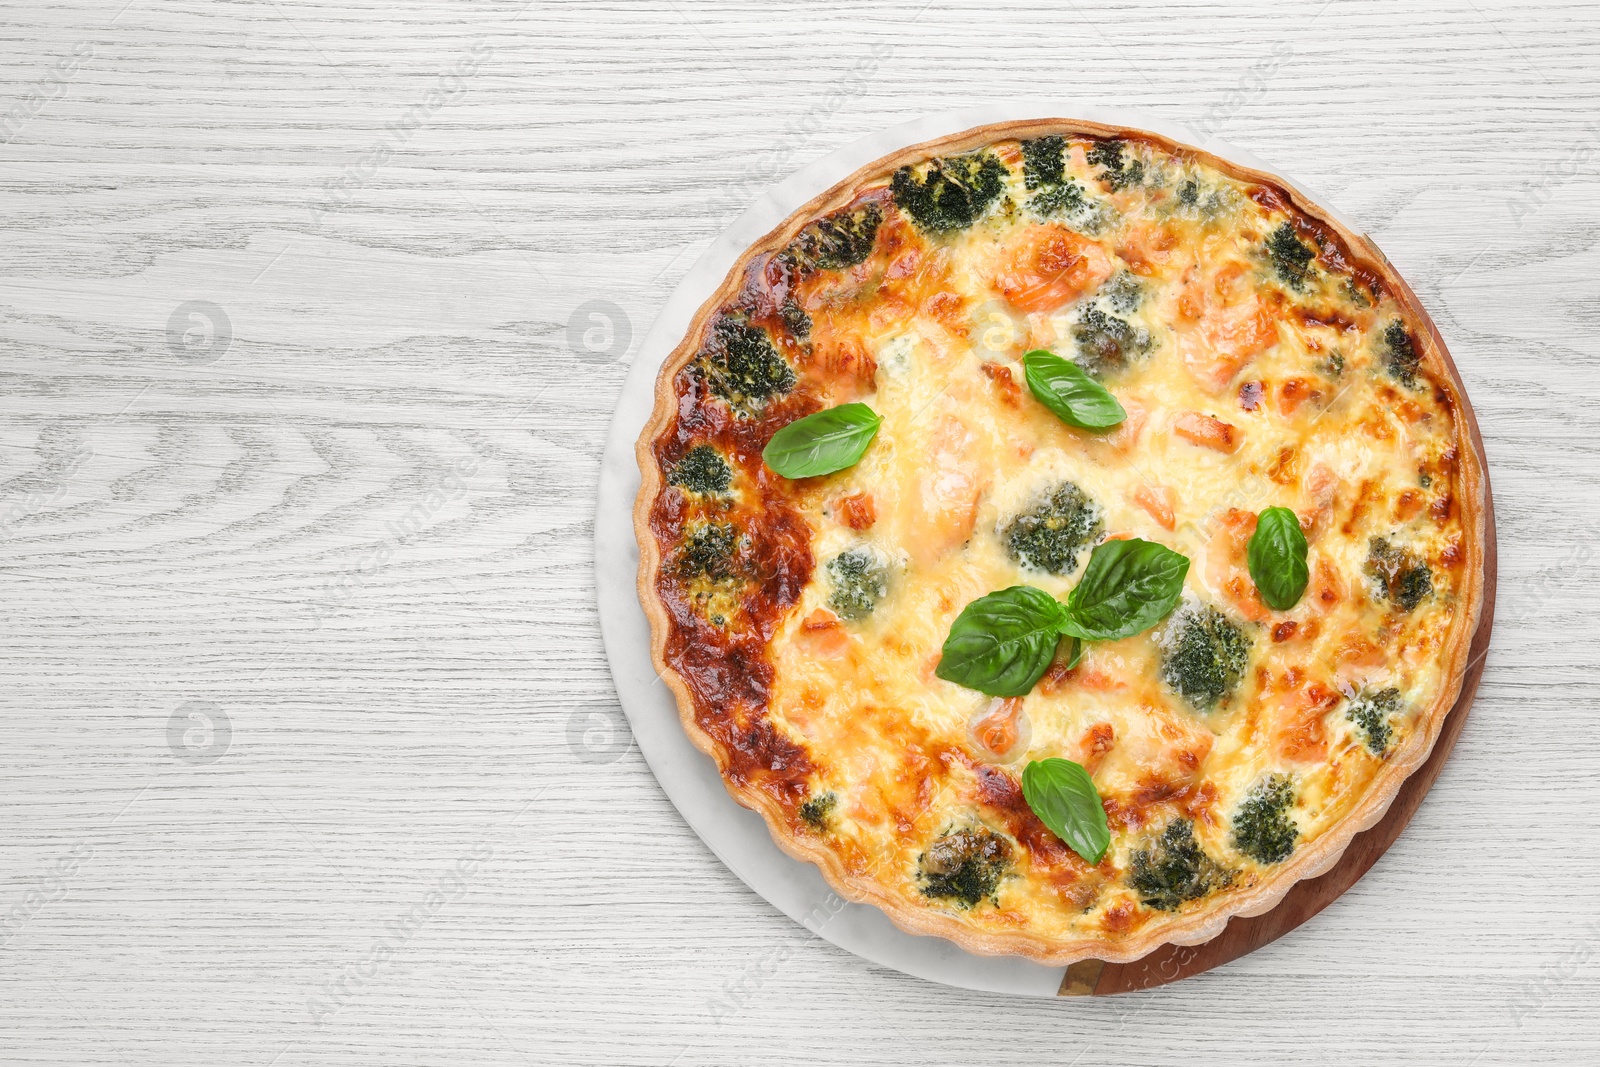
[(1064, 538)]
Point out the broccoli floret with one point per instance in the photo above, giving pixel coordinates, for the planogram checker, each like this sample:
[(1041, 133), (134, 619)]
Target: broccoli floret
[(1044, 161), (952, 193), (1106, 343), (839, 241), (1119, 172), (1174, 868), (708, 551), (1064, 199), (817, 810), (1049, 535), (964, 866), (1058, 195), (1203, 656), (1401, 576), (1371, 713), (1402, 357), (741, 366), (1201, 202), (1068, 201), (1262, 828), (702, 470), (1333, 366), (1290, 256), (1122, 292), (859, 581), (795, 318), (707, 562)]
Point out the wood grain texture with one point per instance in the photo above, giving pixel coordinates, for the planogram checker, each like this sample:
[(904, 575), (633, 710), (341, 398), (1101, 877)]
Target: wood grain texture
[(362, 532)]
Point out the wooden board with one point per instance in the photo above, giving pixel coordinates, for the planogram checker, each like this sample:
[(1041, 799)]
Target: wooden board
[(1244, 935)]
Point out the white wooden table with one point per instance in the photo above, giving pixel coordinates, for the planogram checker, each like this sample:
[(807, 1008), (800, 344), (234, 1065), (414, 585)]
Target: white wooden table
[(310, 752)]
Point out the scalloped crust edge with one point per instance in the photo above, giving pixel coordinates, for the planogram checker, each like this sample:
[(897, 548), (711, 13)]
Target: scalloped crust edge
[(1203, 924)]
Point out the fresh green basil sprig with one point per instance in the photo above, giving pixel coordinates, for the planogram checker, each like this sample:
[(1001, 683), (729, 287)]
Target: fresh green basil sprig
[(1128, 587), (1063, 795), (1063, 387), (824, 442), (1277, 556), (1002, 643)]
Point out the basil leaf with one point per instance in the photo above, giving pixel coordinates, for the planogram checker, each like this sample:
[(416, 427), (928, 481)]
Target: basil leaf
[(1063, 795), (1128, 587), (1001, 643), (1077, 399), (1278, 558), (1075, 652), (822, 443)]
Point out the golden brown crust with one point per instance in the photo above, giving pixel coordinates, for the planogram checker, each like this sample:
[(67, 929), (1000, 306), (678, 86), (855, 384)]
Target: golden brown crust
[(1322, 853)]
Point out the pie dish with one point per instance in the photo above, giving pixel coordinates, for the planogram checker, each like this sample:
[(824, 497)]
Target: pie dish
[(1263, 356)]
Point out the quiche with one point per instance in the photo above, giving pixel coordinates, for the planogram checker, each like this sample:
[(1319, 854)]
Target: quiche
[(1257, 357)]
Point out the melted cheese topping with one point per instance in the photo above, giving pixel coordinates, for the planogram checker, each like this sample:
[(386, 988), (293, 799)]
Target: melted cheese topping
[(1247, 385)]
